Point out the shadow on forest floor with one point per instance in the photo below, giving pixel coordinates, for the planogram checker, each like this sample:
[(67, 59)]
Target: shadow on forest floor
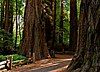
[(46, 65)]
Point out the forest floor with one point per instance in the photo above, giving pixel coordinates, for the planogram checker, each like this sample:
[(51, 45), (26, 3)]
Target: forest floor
[(58, 64)]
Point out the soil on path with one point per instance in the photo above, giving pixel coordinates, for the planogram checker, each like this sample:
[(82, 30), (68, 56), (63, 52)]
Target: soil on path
[(57, 64)]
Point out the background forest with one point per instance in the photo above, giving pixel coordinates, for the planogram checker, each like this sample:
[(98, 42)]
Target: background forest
[(12, 22), (39, 29)]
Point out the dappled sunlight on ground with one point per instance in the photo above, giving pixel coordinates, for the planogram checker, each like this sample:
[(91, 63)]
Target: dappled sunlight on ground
[(54, 64)]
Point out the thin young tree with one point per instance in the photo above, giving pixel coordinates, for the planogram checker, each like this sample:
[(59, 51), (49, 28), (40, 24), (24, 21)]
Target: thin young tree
[(16, 25)]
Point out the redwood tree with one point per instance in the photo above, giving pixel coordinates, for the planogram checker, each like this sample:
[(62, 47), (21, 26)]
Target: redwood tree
[(87, 57), (34, 30), (73, 25), (2, 14), (8, 16), (50, 26), (6, 22), (61, 22)]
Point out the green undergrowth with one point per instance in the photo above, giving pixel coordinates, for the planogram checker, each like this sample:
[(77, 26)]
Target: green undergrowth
[(15, 57)]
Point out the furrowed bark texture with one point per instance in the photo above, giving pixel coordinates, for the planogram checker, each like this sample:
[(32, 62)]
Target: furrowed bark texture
[(87, 57), (73, 25), (34, 30)]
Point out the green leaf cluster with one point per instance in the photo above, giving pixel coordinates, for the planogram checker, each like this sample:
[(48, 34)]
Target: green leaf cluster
[(6, 42), (18, 57), (2, 58), (15, 57)]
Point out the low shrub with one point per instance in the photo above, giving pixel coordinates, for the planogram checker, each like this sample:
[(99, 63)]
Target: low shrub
[(2, 58), (6, 43), (18, 57), (15, 57)]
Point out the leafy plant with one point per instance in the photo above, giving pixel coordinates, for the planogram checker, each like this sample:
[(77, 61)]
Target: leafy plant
[(15, 57), (6, 42), (18, 57), (2, 58)]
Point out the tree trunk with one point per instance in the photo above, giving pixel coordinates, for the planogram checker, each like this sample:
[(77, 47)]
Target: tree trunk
[(16, 25), (34, 30), (26, 33), (6, 24), (2, 14), (53, 23), (73, 25), (61, 23), (8, 20), (50, 26), (87, 57)]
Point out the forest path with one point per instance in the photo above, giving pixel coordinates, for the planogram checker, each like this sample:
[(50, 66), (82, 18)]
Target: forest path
[(52, 67), (57, 64)]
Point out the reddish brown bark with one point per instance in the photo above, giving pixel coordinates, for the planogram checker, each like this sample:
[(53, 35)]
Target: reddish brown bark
[(34, 30), (6, 24), (61, 23), (8, 17), (73, 25), (87, 56)]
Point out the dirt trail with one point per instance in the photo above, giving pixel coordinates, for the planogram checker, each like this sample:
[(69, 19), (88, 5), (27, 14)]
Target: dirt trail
[(47, 65)]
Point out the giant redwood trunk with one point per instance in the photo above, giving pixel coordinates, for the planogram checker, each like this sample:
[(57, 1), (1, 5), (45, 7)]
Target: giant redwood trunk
[(28, 25), (40, 45), (87, 57), (73, 25), (50, 19), (34, 30)]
